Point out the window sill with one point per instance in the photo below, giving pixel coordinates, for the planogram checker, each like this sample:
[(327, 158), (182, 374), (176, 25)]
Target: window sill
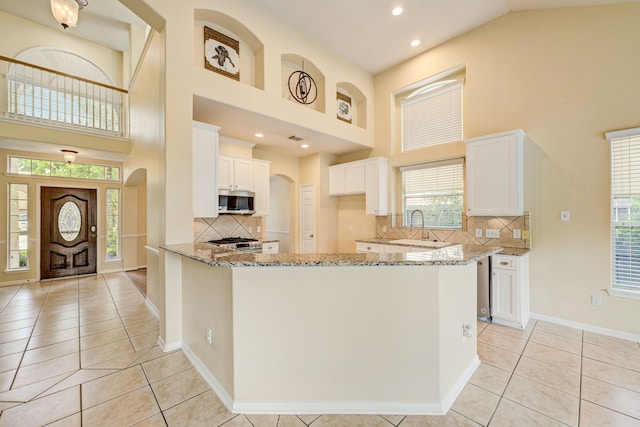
[(17, 270), (107, 261), (624, 293)]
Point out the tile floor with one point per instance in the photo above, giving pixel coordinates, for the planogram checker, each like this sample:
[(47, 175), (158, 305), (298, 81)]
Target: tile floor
[(82, 352)]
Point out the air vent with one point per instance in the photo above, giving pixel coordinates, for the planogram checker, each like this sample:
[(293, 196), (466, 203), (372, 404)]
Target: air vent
[(295, 138)]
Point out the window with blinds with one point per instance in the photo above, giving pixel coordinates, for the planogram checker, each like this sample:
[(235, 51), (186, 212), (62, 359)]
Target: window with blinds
[(625, 211), (435, 189), (432, 116)]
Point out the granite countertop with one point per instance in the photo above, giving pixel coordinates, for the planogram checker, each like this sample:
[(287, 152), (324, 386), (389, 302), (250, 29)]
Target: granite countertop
[(503, 251), (211, 255)]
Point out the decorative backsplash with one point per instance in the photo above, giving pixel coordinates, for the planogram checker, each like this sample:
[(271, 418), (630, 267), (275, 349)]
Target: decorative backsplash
[(467, 235), (205, 229)]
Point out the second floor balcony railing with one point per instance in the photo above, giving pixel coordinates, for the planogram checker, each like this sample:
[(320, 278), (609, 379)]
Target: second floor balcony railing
[(38, 95)]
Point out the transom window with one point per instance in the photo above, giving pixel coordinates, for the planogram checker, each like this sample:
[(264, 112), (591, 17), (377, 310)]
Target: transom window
[(435, 189), (625, 212), (50, 168)]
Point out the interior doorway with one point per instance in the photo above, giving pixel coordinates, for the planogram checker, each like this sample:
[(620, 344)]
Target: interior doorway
[(68, 243), (279, 218)]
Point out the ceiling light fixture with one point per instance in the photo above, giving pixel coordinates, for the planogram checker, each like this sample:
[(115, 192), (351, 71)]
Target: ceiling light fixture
[(69, 155), (415, 43), (304, 146), (66, 11), (259, 135), (396, 11)]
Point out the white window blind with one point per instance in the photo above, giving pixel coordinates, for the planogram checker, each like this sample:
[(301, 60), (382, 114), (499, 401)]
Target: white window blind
[(437, 190), (433, 117), (625, 214)]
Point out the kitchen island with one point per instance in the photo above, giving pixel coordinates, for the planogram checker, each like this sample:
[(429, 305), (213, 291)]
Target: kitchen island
[(327, 333)]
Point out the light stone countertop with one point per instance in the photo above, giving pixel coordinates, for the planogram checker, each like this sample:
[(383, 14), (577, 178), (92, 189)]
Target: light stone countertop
[(450, 255), (503, 251)]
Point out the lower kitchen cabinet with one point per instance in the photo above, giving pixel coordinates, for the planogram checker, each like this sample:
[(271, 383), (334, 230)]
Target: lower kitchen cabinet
[(510, 290), (270, 248), (363, 247)]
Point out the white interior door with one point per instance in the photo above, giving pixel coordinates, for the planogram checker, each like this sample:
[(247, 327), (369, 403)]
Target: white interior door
[(308, 219)]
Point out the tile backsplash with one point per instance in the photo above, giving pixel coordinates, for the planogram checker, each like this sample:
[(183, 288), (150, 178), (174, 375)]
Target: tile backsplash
[(205, 229), (390, 227)]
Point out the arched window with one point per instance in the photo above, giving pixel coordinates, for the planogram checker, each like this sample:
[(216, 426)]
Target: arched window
[(78, 94)]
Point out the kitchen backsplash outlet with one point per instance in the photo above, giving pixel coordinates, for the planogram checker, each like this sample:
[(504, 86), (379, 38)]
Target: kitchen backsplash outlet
[(390, 227), (205, 229)]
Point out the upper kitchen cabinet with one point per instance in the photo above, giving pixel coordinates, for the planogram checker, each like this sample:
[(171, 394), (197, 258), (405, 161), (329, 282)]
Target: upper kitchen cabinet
[(494, 174), (369, 177), (261, 187), (205, 150), (377, 186), (235, 174)]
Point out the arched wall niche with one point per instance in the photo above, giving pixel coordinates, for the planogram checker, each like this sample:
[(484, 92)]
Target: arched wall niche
[(358, 103), (291, 63), (251, 48)]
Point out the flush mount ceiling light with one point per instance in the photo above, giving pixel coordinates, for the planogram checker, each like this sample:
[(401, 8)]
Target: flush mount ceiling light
[(396, 11), (415, 43), (66, 11), (69, 155)]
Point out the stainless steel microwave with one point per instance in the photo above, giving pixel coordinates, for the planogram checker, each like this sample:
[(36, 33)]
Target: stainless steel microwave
[(236, 202)]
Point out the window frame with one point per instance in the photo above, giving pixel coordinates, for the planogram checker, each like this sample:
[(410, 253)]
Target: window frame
[(118, 227), (625, 185), (456, 176), (19, 232)]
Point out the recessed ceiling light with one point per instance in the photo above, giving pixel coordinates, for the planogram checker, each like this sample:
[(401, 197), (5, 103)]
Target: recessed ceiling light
[(259, 135), (396, 11), (415, 42), (304, 146)]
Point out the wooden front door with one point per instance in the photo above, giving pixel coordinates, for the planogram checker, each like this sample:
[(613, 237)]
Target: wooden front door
[(68, 232)]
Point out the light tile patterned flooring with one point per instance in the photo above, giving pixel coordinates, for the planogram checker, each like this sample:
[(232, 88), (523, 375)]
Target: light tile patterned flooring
[(81, 352)]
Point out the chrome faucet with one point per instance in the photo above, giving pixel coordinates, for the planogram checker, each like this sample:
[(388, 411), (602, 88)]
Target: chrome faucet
[(411, 223)]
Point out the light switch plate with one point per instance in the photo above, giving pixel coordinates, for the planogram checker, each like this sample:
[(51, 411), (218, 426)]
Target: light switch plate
[(517, 233), (565, 216), (478, 232), (493, 233)]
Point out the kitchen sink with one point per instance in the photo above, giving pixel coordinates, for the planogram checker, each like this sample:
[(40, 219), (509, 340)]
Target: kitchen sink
[(423, 243)]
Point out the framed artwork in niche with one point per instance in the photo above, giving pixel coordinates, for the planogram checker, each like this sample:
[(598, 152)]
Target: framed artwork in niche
[(344, 107), (221, 54)]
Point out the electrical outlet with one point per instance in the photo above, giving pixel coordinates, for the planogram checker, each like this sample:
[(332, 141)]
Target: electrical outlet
[(258, 229), (517, 233), (384, 228), (493, 233), (478, 232), (525, 234), (466, 332), (209, 335), (596, 300), (250, 228)]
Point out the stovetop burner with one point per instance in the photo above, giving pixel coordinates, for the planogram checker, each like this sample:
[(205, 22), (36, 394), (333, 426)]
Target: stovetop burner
[(228, 240)]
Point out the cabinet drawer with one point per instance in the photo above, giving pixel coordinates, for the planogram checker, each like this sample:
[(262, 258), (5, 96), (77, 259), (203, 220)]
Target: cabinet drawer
[(369, 247), (504, 262)]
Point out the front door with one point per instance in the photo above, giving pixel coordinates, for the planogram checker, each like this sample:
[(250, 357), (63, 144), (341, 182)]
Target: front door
[(68, 232)]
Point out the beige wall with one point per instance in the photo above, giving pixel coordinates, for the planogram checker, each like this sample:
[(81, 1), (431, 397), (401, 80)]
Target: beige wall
[(565, 76)]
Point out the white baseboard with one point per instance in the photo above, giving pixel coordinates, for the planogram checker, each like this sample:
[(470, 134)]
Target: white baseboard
[(208, 376), (152, 307), (168, 347), (369, 408), (587, 327)]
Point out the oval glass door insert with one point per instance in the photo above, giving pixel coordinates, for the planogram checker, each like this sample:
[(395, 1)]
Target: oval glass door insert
[(69, 221)]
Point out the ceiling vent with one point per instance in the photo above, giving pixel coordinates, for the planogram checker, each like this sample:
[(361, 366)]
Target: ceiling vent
[(295, 138)]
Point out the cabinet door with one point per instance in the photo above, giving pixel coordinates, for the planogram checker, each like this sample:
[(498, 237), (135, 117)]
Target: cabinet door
[(205, 189), (243, 174), (354, 178), (225, 172), (337, 180), (504, 295), (363, 247), (494, 174), (261, 188), (377, 186)]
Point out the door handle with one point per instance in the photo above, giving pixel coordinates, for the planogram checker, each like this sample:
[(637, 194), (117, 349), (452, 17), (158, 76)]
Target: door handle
[(310, 236)]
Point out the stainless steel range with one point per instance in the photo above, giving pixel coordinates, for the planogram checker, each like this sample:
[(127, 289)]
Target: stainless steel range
[(241, 244)]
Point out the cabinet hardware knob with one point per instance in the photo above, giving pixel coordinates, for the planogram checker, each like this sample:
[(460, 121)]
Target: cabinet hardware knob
[(504, 263)]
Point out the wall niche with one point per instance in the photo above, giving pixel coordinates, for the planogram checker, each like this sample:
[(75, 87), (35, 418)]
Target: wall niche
[(351, 105)]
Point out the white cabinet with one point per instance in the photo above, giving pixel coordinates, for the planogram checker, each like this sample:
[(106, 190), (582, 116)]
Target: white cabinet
[(205, 150), (370, 176), (377, 186), (346, 178), (510, 290), (364, 247), (261, 187), (270, 248), (494, 174), (235, 173)]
